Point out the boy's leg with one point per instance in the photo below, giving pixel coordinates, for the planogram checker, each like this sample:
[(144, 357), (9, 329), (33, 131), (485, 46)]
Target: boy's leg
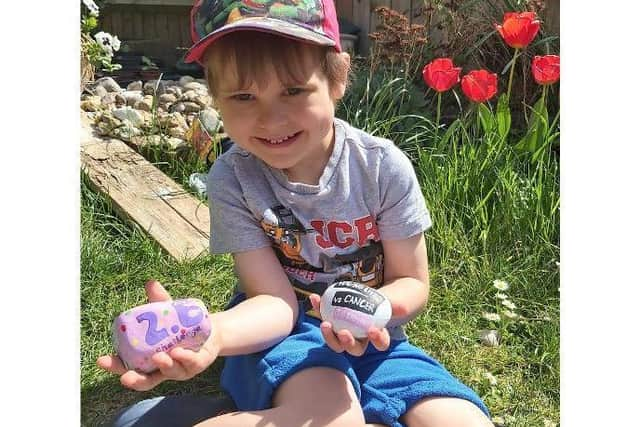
[(445, 412), (172, 411), (404, 383), (317, 396)]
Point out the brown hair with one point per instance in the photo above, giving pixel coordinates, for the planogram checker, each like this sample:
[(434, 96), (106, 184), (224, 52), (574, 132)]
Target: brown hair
[(253, 55)]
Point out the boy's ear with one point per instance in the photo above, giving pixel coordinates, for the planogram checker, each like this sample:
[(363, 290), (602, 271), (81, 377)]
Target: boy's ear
[(338, 90)]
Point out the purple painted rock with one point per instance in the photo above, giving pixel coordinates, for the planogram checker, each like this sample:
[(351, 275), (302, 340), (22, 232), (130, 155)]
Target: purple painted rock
[(355, 307), (159, 326)]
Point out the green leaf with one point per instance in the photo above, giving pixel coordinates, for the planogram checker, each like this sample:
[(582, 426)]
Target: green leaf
[(449, 133), (486, 118), (503, 116), (536, 136)]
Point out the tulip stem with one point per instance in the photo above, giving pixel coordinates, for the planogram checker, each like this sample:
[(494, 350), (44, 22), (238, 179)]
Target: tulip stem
[(438, 113), (513, 67)]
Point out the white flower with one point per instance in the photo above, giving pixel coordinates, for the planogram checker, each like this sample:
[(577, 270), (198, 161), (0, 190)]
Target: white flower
[(115, 43), (500, 295), (490, 377), (105, 40), (548, 423), (492, 317), (498, 420), (510, 314), (94, 10), (508, 304), (489, 337), (500, 285)]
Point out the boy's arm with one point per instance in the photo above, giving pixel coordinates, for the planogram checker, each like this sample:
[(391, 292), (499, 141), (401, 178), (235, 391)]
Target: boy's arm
[(406, 277), (269, 312)]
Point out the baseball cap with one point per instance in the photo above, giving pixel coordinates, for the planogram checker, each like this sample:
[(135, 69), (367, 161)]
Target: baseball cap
[(313, 21)]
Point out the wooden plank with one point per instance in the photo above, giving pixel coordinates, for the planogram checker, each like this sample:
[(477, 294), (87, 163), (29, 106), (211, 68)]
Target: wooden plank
[(127, 24), (138, 25), (173, 25), (161, 23), (149, 25), (374, 20), (552, 16), (115, 20), (143, 194), (402, 6), (185, 33), (361, 17), (344, 9)]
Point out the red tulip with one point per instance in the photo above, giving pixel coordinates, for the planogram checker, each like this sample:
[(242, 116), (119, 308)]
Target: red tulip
[(546, 69), (440, 74), (480, 85), (518, 29)]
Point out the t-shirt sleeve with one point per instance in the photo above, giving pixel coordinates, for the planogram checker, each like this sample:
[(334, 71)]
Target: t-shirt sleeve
[(403, 211), (234, 228)]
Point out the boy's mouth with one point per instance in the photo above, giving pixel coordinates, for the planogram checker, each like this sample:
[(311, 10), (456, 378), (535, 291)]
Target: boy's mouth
[(281, 140)]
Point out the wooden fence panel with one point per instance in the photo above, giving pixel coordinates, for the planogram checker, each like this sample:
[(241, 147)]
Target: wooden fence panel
[(158, 27), (344, 9), (150, 28)]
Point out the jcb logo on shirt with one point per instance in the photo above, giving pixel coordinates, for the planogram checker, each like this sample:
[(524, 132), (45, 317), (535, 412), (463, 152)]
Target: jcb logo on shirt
[(343, 234)]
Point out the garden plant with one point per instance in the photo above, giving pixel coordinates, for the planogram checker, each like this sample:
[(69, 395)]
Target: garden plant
[(489, 170)]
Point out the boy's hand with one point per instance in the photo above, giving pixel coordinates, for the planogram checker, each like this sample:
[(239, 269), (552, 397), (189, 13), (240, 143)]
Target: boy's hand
[(177, 364), (345, 341)]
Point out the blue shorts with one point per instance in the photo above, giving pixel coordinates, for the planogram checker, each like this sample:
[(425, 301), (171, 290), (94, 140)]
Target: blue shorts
[(387, 382)]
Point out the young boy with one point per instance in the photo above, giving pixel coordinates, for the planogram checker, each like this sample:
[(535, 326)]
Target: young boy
[(303, 200)]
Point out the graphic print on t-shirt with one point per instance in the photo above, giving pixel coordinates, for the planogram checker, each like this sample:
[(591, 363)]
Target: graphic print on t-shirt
[(284, 230), (363, 265)]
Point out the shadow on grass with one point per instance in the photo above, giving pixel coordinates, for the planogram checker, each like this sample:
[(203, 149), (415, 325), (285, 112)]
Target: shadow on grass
[(101, 401)]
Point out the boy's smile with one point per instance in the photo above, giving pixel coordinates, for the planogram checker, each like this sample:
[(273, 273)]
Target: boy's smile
[(285, 140), (289, 126)]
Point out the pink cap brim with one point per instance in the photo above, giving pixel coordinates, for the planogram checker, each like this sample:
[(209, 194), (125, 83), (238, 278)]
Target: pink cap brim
[(262, 24)]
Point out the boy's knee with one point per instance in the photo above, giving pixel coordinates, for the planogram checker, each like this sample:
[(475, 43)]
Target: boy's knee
[(350, 418), (446, 412)]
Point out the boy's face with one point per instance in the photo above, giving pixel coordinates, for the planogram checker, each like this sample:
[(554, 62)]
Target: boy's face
[(288, 126)]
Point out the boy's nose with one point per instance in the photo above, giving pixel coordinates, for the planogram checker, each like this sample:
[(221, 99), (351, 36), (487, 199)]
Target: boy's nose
[(271, 116)]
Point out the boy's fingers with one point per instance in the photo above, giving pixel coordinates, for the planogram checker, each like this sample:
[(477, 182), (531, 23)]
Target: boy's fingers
[(398, 310), (112, 364), (350, 344), (141, 382), (156, 292), (379, 338), (315, 301), (330, 338), (193, 362), (129, 378), (170, 368)]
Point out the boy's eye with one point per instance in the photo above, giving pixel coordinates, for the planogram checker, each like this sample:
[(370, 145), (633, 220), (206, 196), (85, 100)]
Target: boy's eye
[(292, 91), (242, 97)]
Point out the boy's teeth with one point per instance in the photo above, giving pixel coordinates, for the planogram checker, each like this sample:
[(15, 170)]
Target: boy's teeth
[(278, 141)]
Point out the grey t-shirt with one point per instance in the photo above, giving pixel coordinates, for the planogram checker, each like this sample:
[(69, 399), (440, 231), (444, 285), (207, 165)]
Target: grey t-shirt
[(321, 233)]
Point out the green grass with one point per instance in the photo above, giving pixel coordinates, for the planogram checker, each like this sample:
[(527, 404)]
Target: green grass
[(495, 216)]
